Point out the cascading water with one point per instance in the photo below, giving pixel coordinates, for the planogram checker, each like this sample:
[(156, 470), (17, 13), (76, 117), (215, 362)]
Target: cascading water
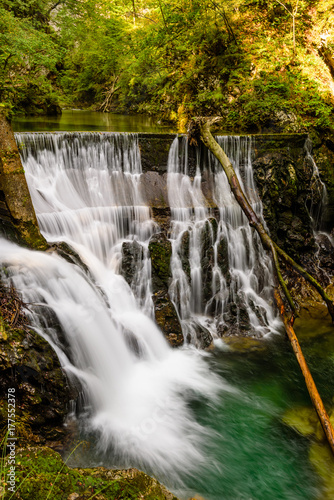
[(221, 275), (318, 188), (317, 208), (85, 192)]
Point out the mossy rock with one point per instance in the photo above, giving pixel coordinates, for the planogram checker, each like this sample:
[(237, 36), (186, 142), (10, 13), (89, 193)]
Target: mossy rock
[(244, 344), (322, 460), (161, 252), (167, 318), (305, 421), (30, 365), (41, 474)]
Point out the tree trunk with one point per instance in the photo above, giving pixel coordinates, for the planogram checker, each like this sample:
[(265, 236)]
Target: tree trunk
[(201, 127)]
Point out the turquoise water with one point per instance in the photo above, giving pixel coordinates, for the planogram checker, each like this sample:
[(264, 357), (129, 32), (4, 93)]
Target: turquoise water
[(79, 120), (252, 453)]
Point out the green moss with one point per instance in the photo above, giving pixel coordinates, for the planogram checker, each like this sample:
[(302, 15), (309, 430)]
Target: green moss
[(160, 257), (30, 235), (42, 474)]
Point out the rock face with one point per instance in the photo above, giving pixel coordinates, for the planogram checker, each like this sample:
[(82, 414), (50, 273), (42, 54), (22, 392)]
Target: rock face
[(132, 254), (283, 180), (30, 365), (323, 153), (17, 216), (165, 313)]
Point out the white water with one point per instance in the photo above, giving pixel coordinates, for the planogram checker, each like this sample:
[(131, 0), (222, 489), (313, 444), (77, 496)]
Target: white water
[(248, 284), (84, 189), (316, 210)]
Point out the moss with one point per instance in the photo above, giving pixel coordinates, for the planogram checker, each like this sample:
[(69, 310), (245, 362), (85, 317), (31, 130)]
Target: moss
[(28, 363), (161, 252), (41, 473), (30, 235)]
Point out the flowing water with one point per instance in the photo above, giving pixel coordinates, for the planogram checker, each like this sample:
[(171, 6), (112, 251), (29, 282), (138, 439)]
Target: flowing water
[(206, 296), (205, 423)]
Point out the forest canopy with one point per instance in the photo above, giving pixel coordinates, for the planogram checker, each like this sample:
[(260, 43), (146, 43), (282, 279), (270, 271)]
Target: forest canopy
[(254, 62)]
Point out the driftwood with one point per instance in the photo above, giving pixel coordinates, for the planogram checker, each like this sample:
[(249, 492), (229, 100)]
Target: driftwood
[(199, 128)]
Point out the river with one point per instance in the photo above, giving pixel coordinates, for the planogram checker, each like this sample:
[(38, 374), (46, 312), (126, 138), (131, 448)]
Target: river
[(245, 427)]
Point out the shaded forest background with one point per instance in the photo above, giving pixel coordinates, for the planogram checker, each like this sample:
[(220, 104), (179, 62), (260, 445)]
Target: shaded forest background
[(173, 60)]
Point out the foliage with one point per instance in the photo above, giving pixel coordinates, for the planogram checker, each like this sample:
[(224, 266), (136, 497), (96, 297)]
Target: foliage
[(172, 59), (28, 58)]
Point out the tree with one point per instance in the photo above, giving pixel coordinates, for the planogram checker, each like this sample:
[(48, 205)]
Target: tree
[(293, 13), (28, 57)]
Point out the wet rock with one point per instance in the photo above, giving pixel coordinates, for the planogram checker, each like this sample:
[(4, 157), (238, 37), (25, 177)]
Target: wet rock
[(69, 254), (283, 181), (19, 216), (222, 258), (161, 252), (203, 337), (154, 150), (132, 255), (184, 253), (235, 319), (167, 318), (153, 188), (325, 252), (208, 237), (165, 313), (323, 154), (30, 365)]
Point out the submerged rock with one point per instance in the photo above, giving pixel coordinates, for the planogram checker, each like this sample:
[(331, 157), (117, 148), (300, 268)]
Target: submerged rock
[(305, 421), (322, 460)]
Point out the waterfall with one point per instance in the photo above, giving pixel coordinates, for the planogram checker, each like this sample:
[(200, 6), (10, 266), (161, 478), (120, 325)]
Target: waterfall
[(85, 191), (137, 389), (221, 274)]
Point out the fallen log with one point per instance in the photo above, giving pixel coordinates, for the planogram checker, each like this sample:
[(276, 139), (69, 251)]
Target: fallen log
[(199, 128)]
